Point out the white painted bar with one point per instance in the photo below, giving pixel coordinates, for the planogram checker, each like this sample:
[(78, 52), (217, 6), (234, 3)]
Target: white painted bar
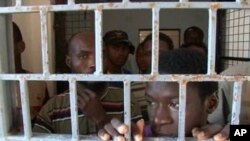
[(3, 127), (18, 2), (134, 5), (127, 107), (73, 109), (182, 110), (114, 77), (237, 93), (25, 108), (71, 2), (155, 40), (44, 40), (98, 42), (211, 41)]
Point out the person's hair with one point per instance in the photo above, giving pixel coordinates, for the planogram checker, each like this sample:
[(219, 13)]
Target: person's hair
[(186, 61), (162, 37), (17, 35), (194, 29)]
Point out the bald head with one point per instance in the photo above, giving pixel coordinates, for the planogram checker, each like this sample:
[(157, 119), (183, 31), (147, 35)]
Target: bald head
[(86, 39)]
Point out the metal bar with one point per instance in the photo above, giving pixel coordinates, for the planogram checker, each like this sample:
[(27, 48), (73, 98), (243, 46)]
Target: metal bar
[(237, 93), (25, 108), (155, 41), (211, 41), (73, 110), (3, 127), (98, 42), (116, 77), (18, 2), (182, 110), (127, 108), (182, 1), (134, 5), (235, 58), (71, 2), (44, 40), (60, 137)]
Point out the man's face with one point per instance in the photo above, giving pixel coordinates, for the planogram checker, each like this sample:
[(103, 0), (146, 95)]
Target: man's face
[(163, 47), (163, 98), (140, 60), (193, 38), (82, 54), (117, 54)]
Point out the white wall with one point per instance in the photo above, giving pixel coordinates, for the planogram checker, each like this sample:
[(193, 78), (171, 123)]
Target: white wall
[(133, 20)]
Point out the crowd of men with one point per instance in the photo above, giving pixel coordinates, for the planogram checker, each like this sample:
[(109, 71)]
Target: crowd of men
[(154, 105)]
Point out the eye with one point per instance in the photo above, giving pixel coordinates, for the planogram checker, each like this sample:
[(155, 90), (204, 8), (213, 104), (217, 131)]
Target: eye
[(174, 105), (82, 56)]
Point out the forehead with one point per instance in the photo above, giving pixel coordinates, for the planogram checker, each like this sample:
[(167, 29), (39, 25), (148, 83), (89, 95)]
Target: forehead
[(169, 89), (82, 42), (162, 88)]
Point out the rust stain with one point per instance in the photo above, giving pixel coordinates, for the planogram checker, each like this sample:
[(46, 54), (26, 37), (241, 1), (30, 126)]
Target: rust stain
[(111, 4), (215, 5), (244, 3), (181, 5), (100, 7), (153, 77), (34, 8), (151, 5)]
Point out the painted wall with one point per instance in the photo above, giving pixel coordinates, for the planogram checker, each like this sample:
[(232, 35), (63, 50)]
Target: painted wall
[(133, 20)]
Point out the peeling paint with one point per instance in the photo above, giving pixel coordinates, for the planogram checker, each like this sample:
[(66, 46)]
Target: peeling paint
[(151, 5), (215, 5)]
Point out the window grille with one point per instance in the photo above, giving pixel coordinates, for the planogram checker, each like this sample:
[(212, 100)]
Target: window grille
[(236, 37), (46, 75)]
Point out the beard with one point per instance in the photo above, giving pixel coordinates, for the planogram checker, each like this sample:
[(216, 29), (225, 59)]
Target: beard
[(97, 87)]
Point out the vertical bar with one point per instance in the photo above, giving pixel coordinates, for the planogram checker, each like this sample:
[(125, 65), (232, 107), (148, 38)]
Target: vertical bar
[(18, 2), (182, 110), (3, 129), (237, 93), (211, 41), (44, 40), (183, 0), (98, 42), (73, 110), (155, 40), (6, 42), (125, 1), (71, 2), (127, 108), (25, 108)]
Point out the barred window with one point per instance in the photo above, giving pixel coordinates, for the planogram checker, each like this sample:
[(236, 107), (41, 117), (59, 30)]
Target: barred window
[(47, 26)]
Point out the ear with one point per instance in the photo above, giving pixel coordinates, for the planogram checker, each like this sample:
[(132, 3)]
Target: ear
[(211, 103), (20, 47), (68, 61)]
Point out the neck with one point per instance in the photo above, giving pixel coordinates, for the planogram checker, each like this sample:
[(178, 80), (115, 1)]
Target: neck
[(18, 65), (113, 69)]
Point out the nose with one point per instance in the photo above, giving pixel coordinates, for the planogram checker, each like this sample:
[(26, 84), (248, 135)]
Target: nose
[(163, 115), (91, 63)]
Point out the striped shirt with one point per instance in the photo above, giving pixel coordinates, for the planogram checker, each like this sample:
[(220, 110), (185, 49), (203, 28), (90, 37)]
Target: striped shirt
[(55, 117)]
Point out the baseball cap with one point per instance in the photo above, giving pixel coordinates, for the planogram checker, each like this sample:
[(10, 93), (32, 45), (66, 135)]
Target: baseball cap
[(115, 37)]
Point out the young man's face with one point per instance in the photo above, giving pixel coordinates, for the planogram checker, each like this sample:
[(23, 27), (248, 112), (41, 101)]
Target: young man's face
[(163, 47), (81, 58), (117, 54), (140, 60), (163, 98)]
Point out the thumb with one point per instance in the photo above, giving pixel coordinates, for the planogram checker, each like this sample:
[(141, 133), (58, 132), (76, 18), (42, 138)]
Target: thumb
[(137, 130)]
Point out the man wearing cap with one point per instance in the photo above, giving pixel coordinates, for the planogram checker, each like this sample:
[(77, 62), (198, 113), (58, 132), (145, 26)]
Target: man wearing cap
[(117, 48)]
